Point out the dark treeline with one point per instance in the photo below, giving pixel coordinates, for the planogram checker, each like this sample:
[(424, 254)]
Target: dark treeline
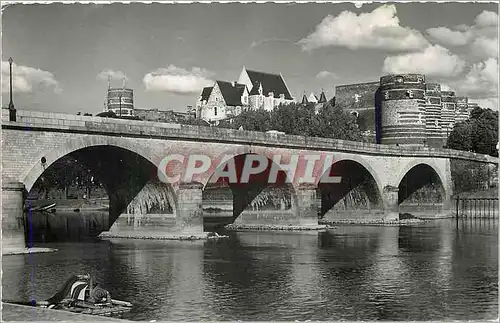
[(478, 134), (66, 173), (299, 119)]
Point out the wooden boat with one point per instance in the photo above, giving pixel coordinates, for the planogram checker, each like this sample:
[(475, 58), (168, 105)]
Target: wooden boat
[(78, 295), (40, 208), (83, 307)]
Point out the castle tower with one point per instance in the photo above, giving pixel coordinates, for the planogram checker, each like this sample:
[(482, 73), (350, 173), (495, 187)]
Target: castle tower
[(402, 109), (448, 100), (433, 122), (126, 96)]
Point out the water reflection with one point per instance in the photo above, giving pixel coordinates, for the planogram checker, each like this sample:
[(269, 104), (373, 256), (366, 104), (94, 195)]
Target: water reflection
[(444, 271)]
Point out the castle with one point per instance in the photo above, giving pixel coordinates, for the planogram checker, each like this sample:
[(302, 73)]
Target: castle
[(404, 109), (254, 90)]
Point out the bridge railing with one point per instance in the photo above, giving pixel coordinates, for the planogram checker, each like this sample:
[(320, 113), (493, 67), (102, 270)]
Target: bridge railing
[(122, 127)]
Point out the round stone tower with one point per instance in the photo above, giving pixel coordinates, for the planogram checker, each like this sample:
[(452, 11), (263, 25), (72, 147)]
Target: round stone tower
[(126, 108), (402, 109)]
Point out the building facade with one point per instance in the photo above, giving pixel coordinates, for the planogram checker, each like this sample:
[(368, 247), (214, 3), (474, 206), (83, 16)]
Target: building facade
[(254, 90), (404, 109)]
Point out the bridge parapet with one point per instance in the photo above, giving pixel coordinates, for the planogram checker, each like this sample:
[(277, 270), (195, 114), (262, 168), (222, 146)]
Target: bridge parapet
[(59, 122)]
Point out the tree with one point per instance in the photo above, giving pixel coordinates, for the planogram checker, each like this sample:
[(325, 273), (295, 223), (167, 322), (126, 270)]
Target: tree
[(334, 122), (293, 119), (478, 134), (299, 119), (253, 120)]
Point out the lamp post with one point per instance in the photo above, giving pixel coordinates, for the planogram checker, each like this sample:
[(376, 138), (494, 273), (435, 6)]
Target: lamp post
[(12, 110)]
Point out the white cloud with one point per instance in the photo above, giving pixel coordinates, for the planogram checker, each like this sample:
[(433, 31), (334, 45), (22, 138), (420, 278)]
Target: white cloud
[(481, 80), (487, 18), (325, 75), (377, 29), (177, 80), (27, 79), (446, 36), (113, 75), (489, 103), (484, 47), (482, 36), (433, 61)]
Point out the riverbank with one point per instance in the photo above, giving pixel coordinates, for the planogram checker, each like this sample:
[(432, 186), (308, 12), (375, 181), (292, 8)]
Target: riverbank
[(14, 312), (27, 251), (376, 222), (490, 193), (153, 236), (65, 205), (273, 227)]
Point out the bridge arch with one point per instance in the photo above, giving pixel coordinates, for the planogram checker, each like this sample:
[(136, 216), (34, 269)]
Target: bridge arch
[(244, 193), (354, 172), (30, 177), (416, 174), (102, 155)]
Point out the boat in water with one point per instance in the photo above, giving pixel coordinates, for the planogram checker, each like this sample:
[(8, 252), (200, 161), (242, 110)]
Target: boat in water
[(43, 208), (80, 295)]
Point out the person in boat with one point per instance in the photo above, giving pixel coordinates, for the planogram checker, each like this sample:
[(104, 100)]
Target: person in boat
[(79, 288)]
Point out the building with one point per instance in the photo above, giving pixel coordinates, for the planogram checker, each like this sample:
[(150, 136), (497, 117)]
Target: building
[(168, 116), (253, 90), (318, 103), (404, 109), (266, 90), (223, 101), (359, 99), (120, 101)]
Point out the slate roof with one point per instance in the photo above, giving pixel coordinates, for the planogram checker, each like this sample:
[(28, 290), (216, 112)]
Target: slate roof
[(322, 98), (205, 94), (255, 89), (304, 99), (232, 94), (270, 83)]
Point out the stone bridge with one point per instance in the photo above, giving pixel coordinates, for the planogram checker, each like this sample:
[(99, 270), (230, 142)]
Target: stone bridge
[(125, 156)]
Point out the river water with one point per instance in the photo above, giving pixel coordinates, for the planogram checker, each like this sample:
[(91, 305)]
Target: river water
[(445, 271)]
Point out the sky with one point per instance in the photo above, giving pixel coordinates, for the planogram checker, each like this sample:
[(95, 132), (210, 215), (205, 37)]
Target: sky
[(64, 53)]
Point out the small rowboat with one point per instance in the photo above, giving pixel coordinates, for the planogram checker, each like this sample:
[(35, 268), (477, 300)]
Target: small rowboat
[(40, 208), (80, 295)]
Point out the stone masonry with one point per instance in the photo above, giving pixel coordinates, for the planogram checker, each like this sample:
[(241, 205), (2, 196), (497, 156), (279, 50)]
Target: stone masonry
[(37, 136)]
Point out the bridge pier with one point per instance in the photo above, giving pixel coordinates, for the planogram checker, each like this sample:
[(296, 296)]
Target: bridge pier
[(308, 204), (12, 217), (391, 202), (189, 217)]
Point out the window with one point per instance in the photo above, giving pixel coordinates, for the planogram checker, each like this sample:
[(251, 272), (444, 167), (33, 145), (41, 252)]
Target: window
[(215, 111), (409, 93)]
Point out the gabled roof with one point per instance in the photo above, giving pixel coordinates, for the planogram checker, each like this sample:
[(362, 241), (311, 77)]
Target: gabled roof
[(313, 98), (270, 83), (304, 100), (255, 89), (322, 98), (205, 94), (232, 94)]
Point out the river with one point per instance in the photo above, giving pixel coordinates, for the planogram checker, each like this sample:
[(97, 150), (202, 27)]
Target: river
[(446, 271)]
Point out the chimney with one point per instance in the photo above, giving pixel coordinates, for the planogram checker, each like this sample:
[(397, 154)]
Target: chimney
[(234, 83)]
